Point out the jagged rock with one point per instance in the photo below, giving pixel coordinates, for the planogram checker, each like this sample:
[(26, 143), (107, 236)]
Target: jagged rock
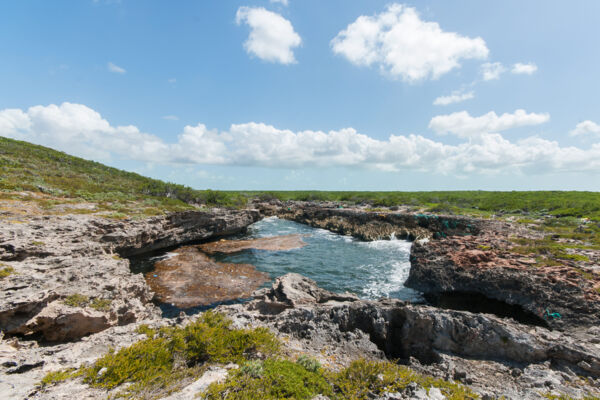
[(456, 266), (294, 290), (55, 257), (482, 350), (369, 226)]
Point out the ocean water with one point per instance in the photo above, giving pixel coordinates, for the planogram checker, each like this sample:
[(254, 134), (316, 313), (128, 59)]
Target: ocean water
[(338, 263)]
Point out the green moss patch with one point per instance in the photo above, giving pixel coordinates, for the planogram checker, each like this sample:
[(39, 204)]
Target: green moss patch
[(6, 271), (76, 300), (79, 300)]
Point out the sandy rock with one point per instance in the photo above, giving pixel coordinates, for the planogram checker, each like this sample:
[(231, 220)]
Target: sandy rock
[(191, 279), (275, 243)]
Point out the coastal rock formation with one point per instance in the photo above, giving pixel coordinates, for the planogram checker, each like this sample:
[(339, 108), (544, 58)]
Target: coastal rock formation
[(482, 268), (190, 278), (368, 225), (69, 279), (275, 243), (495, 356)]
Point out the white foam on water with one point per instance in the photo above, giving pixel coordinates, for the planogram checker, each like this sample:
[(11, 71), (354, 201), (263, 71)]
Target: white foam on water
[(388, 283)]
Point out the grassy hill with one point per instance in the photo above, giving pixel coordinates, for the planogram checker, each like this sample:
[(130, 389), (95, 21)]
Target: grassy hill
[(32, 168), (28, 167)]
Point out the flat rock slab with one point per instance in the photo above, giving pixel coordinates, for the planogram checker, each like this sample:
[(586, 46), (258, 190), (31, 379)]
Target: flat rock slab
[(192, 279), (286, 242)]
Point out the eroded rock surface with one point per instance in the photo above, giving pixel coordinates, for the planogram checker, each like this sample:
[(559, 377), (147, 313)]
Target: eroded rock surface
[(369, 226), (56, 257), (274, 243), (496, 357), (485, 265), (191, 278)]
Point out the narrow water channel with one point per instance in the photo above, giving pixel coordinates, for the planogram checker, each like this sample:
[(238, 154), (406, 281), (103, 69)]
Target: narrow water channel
[(337, 263)]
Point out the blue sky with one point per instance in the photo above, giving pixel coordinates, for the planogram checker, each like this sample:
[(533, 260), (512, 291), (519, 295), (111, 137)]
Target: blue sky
[(311, 94)]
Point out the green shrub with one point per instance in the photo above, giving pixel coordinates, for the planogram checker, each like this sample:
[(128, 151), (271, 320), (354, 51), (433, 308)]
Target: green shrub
[(364, 378), (59, 376), (280, 379), (172, 353), (6, 271), (309, 363), (253, 368)]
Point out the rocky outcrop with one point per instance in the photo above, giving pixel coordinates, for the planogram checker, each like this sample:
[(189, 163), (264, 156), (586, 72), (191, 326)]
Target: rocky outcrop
[(69, 279), (190, 279), (467, 263), (519, 358), (274, 243), (370, 225), (482, 267)]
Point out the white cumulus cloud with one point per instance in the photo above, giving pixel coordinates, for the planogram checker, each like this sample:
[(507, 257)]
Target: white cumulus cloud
[(115, 68), (463, 125), (585, 128), (526, 69), (404, 46), (492, 71), (272, 37), (82, 131), (455, 97)]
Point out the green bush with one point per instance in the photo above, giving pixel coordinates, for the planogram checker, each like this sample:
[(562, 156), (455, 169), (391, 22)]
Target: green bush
[(6, 271), (309, 363), (172, 353), (280, 379)]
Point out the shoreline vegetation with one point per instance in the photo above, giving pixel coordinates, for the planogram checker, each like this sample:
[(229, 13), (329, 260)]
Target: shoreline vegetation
[(57, 178)]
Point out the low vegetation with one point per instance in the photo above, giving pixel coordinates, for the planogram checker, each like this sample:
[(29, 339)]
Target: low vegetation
[(157, 365), (64, 179), (6, 271), (362, 380), (79, 300), (171, 354)]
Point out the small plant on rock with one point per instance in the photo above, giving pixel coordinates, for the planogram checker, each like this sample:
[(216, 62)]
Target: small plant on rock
[(309, 363), (6, 271), (76, 300)]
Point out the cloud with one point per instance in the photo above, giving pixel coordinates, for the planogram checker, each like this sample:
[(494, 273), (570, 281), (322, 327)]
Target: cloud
[(79, 130), (172, 80), (492, 71), (455, 97), (284, 2), (585, 128), (272, 38), (527, 69), (171, 117), (115, 68), (404, 46), (463, 125)]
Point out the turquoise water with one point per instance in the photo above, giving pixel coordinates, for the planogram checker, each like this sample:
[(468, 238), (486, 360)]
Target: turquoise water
[(338, 263)]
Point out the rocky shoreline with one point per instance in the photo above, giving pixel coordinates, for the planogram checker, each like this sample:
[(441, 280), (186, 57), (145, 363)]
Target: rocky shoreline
[(72, 297)]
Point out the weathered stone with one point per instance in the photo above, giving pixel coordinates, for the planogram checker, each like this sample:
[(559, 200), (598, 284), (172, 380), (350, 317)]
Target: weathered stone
[(191, 278), (55, 257), (275, 243)]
